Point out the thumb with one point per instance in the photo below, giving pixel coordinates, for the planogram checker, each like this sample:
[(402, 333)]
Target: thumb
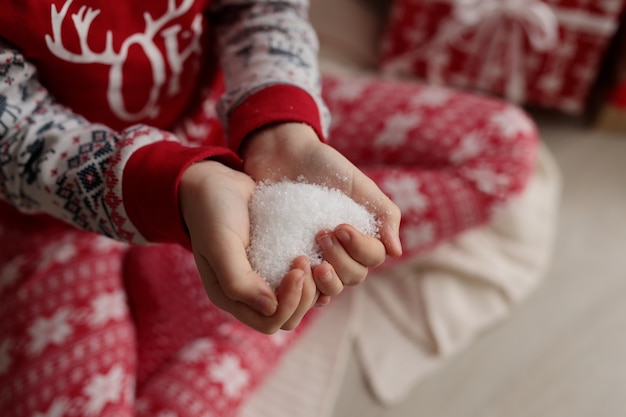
[(228, 259)]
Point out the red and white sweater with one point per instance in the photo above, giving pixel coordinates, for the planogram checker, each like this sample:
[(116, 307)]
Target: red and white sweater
[(90, 91)]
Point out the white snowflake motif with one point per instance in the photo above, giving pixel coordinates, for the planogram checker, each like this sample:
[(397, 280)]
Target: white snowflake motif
[(107, 307), (512, 122), (348, 91), (198, 350), (405, 193), (57, 409), (54, 330), (551, 83), (469, 147), (229, 373), (103, 389), (488, 181), (418, 236), (397, 128), (59, 253), (225, 329), (431, 97), (5, 358), (105, 244), (10, 273)]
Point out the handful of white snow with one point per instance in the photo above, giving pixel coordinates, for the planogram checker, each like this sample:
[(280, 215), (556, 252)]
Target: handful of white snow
[(286, 216)]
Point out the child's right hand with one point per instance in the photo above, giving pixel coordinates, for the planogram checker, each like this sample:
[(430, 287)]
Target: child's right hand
[(214, 203)]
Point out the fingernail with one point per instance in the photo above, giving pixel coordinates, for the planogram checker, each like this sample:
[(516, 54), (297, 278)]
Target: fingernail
[(326, 278), (325, 241), (265, 305), (300, 282), (343, 236), (398, 244)]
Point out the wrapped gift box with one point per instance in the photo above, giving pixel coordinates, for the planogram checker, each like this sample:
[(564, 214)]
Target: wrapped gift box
[(545, 53)]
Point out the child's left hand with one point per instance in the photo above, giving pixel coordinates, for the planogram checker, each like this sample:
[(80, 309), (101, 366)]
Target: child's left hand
[(293, 151)]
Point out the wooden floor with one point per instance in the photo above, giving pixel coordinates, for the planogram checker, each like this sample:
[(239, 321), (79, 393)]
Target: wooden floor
[(563, 352)]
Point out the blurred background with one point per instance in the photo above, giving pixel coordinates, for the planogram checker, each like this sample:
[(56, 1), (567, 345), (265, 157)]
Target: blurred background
[(561, 352)]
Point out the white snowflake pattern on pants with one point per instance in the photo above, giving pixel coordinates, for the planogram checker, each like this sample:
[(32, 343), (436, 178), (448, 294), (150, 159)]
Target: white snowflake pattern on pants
[(57, 409), (10, 272), (197, 351), (470, 146), (432, 97), (418, 236), (230, 374), (405, 193), (54, 330), (104, 388), (107, 307), (397, 128), (512, 122)]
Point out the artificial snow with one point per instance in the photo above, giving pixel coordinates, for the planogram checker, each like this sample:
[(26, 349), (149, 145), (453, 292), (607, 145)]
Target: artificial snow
[(286, 216)]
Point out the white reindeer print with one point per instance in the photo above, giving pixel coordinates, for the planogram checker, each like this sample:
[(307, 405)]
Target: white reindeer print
[(175, 58)]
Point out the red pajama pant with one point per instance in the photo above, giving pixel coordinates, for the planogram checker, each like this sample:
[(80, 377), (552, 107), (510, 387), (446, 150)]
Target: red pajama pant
[(91, 327)]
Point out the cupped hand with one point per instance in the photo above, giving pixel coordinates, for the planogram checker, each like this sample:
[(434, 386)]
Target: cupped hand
[(214, 203), (293, 151)]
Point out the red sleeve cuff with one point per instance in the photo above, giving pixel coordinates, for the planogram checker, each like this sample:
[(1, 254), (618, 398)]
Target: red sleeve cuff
[(275, 104), (150, 187)]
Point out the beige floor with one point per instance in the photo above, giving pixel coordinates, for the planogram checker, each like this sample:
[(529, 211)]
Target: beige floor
[(563, 353)]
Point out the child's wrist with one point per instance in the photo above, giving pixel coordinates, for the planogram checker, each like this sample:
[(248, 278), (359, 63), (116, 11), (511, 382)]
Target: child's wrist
[(278, 139)]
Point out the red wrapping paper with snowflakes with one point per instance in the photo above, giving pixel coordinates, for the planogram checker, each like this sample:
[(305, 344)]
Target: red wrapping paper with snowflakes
[(546, 53)]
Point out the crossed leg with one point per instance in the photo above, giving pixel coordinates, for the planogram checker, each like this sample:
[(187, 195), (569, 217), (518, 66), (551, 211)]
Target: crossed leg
[(446, 158)]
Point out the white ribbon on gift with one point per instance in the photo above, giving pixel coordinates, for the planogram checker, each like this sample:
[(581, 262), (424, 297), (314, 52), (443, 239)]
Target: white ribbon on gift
[(530, 19), (502, 22)]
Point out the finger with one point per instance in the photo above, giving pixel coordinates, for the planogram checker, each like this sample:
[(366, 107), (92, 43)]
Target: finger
[(308, 297), (366, 250), (240, 311), (323, 300), (229, 261), (290, 295), (349, 271), (390, 231), (326, 279), (366, 191)]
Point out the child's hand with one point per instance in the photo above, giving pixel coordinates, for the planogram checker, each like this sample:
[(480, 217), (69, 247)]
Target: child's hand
[(293, 151), (214, 202)]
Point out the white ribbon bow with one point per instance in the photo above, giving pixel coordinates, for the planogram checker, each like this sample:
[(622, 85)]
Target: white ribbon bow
[(500, 27), (535, 17)]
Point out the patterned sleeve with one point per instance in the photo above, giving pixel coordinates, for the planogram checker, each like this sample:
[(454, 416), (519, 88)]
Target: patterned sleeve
[(119, 184), (268, 53)]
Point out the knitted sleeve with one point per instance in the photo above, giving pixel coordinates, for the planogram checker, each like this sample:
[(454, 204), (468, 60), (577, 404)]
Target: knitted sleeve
[(268, 53), (119, 184)]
